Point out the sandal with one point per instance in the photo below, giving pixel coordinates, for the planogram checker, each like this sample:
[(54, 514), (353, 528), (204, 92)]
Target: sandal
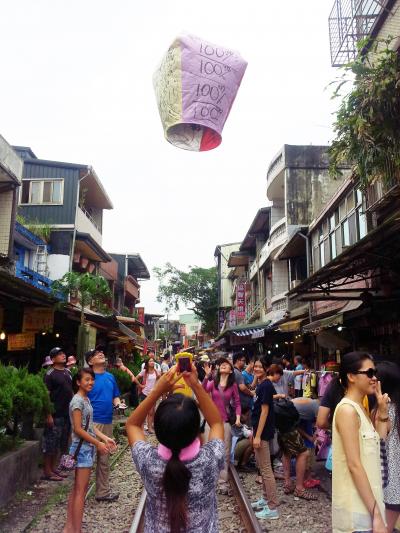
[(305, 494), (288, 488), (53, 477)]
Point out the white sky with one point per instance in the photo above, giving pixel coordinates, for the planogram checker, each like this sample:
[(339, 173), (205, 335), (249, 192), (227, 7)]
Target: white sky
[(76, 84)]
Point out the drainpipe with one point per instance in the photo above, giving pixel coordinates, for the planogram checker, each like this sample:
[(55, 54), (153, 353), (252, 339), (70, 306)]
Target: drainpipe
[(76, 216)]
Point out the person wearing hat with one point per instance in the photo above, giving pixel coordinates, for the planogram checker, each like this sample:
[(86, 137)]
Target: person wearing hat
[(104, 397), (58, 381), (47, 362), (71, 362)]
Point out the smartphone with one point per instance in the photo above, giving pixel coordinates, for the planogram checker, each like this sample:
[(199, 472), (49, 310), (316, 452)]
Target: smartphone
[(184, 361)]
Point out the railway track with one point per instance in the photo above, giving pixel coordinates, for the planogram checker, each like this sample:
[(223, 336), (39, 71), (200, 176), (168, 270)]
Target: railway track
[(249, 521)]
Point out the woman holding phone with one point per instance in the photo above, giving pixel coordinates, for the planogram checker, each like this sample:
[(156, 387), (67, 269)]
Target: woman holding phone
[(225, 394), (149, 376), (180, 476)]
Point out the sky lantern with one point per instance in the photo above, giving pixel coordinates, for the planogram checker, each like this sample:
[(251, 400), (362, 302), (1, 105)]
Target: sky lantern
[(196, 85)]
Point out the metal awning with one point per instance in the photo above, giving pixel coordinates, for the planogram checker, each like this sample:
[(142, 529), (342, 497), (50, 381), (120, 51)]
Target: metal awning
[(238, 259), (294, 247), (379, 249), (128, 332), (245, 330)]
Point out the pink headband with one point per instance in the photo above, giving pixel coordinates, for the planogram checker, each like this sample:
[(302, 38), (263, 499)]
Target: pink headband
[(186, 454)]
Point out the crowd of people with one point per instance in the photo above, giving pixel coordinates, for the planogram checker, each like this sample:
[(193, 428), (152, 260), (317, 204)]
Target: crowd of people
[(261, 414)]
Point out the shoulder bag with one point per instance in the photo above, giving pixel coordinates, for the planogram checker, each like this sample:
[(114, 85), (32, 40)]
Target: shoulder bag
[(68, 461)]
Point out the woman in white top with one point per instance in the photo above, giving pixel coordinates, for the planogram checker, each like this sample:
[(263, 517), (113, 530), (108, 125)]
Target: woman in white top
[(149, 376), (357, 498)]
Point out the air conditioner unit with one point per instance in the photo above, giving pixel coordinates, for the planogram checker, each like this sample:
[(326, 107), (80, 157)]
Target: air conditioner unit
[(294, 283)]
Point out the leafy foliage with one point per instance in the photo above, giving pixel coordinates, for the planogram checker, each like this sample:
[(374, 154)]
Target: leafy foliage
[(123, 379), (197, 288), (40, 229), (367, 125), (91, 290), (22, 396)]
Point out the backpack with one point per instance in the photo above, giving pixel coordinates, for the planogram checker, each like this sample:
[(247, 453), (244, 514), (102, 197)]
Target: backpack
[(286, 415)]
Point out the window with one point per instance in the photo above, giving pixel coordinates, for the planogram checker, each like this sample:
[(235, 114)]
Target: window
[(322, 254), (332, 241), (361, 223), (345, 233), (42, 191)]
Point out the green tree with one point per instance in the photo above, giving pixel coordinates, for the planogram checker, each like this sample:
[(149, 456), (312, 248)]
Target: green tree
[(367, 127), (197, 289), (89, 289)]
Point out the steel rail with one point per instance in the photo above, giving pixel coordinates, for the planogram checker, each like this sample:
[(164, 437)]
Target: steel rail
[(246, 512), (138, 520), (247, 515)]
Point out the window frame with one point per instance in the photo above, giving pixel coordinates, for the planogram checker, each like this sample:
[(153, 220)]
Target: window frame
[(42, 182)]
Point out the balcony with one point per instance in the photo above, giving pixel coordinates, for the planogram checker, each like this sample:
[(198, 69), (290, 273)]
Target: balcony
[(86, 224), (349, 22), (11, 166), (33, 278), (276, 178), (379, 194), (132, 288)]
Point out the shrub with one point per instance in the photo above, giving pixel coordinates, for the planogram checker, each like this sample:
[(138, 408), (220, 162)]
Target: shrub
[(124, 381)]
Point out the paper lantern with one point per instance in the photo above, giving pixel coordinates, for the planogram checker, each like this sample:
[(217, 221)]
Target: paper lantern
[(195, 87)]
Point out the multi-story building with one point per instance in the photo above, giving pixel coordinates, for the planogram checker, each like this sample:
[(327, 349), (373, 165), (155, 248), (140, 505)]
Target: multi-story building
[(70, 199), (11, 168), (126, 291), (272, 258), (354, 287), (225, 280)]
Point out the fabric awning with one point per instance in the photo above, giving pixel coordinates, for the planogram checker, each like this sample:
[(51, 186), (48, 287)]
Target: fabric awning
[(324, 323), (255, 333), (291, 325)]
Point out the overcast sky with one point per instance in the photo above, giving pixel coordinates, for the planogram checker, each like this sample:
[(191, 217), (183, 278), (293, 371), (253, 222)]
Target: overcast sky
[(76, 85)]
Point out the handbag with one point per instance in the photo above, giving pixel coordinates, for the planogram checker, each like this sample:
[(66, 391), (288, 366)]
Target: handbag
[(68, 461), (230, 413)]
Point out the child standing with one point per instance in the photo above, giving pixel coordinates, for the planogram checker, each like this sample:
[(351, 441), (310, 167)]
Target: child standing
[(81, 415)]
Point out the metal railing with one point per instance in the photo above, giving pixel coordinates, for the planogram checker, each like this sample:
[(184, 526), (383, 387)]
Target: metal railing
[(349, 22), (89, 216)]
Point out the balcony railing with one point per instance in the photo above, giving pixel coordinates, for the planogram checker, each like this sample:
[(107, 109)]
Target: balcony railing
[(33, 278), (349, 22), (132, 287)]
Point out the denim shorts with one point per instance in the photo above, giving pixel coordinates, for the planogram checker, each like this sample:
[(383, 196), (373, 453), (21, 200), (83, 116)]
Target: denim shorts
[(86, 455)]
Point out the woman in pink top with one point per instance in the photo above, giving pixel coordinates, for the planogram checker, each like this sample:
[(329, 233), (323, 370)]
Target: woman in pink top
[(225, 394), (149, 376)]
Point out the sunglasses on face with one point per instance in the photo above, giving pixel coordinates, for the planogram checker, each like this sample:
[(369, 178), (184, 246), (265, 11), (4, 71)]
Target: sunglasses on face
[(370, 373)]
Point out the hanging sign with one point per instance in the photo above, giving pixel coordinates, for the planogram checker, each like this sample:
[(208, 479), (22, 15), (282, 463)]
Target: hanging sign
[(38, 318), (20, 341), (196, 85), (240, 301)]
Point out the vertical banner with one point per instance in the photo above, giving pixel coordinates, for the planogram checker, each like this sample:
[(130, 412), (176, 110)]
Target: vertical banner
[(221, 319), (140, 314), (240, 302), (232, 318)]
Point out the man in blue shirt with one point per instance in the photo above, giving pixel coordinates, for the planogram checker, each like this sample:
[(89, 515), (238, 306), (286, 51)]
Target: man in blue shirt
[(104, 397)]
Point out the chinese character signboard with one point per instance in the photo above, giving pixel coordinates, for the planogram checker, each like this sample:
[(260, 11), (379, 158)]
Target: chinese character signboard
[(240, 302), (38, 318), (20, 341), (232, 319)]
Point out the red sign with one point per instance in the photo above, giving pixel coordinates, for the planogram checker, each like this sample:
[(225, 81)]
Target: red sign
[(240, 301), (140, 314)]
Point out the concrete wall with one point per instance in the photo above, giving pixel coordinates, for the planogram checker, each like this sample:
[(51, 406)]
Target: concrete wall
[(58, 265), (6, 205), (18, 470), (225, 284)]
